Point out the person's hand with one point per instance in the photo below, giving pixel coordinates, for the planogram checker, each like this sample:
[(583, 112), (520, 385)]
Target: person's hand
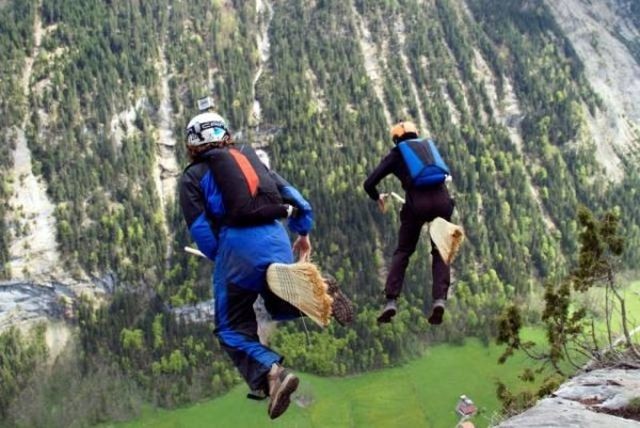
[(381, 202), (302, 246)]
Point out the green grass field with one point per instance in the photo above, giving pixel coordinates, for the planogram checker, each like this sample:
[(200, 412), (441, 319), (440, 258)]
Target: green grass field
[(632, 296), (422, 393), (632, 302)]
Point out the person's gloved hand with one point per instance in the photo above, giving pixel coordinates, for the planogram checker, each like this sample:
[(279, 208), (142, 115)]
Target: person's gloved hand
[(301, 221)]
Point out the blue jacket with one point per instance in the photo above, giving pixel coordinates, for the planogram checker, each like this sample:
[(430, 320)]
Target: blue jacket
[(241, 254)]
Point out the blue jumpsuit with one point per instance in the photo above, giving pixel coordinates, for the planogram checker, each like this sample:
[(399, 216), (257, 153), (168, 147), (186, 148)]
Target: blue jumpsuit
[(242, 256)]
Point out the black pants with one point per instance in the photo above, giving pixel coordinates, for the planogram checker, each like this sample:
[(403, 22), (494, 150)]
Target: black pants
[(422, 205)]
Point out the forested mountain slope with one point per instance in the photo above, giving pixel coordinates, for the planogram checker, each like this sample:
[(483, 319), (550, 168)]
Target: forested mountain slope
[(108, 87), (605, 36), (100, 92)]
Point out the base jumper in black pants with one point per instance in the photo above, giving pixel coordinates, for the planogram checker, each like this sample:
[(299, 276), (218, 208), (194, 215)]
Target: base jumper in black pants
[(422, 205)]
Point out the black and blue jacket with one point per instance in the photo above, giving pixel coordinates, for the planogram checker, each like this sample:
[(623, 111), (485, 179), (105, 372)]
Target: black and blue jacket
[(210, 191)]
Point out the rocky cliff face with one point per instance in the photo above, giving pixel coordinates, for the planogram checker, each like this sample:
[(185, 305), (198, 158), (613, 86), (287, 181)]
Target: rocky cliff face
[(598, 31), (33, 251), (23, 302), (601, 398)]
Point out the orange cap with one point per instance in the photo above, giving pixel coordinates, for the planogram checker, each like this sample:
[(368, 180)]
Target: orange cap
[(401, 128)]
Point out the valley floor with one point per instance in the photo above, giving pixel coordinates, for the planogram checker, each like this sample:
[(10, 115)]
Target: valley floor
[(422, 393)]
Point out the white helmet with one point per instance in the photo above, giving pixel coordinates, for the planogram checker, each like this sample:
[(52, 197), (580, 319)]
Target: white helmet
[(206, 128)]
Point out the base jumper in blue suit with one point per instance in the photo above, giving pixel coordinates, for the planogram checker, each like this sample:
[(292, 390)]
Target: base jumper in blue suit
[(233, 204)]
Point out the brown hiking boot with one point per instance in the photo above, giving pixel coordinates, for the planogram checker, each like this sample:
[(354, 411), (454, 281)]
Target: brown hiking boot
[(282, 383), (342, 308)]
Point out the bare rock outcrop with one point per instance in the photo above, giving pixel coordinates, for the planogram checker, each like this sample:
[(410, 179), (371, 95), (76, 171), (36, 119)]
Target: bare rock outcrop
[(595, 29), (588, 400)]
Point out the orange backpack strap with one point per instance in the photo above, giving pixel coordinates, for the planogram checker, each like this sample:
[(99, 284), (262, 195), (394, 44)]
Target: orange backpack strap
[(250, 176)]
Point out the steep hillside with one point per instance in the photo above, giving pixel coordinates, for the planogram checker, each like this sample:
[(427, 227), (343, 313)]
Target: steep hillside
[(19, 39), (509, 100), (601, 33), (33, 249), (519, 115), (532, 104)]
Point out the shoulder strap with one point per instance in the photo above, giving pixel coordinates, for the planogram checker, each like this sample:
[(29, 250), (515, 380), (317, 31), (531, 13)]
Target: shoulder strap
[(415, 155), (437, 159), (248, 171)]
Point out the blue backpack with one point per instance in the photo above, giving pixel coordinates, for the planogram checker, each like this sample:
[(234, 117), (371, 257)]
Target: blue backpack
[(425, 164)]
